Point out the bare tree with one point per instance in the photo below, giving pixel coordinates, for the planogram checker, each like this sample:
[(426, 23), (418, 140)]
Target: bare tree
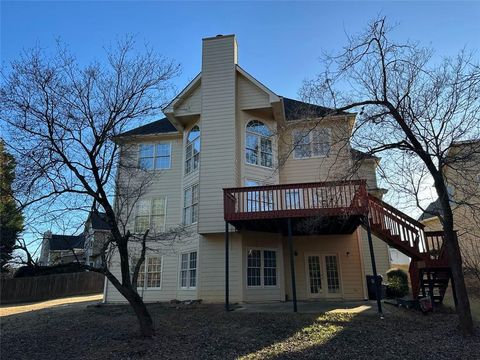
[(61, 120), (410, 109)]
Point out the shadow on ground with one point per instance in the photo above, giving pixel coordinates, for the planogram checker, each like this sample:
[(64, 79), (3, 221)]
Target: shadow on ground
[(208, 332)]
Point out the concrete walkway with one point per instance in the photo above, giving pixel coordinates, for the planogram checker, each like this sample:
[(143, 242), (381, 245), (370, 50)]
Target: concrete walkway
[(355, 307)]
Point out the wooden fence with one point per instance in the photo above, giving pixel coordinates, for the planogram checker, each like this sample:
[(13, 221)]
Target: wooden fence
[(46, 287)]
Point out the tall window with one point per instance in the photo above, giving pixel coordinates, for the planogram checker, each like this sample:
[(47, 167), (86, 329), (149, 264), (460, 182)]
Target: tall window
[(258, 200), (150, 214), (192, 150), (150, 273), (188, 270), (154, 156), (190, 205), (261, 267), (258, 144), (311, 143)]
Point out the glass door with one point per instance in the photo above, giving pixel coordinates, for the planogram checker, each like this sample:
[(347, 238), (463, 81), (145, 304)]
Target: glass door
[(314, 275)]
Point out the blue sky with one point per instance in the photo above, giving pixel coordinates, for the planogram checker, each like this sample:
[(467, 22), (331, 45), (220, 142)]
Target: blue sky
[(279, 42)]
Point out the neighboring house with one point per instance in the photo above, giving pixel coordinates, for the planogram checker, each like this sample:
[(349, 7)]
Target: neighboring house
[(463, 179), (231, 150), (84, 248), (62, 249)]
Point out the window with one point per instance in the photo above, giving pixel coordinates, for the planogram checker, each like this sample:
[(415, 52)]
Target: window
[(150, 214), (192, 150), (150, 273), (261, 267), (154, 156), (311, 143), (333, 281), (258, 200), (258, 144), (188, 270), (190, 205)]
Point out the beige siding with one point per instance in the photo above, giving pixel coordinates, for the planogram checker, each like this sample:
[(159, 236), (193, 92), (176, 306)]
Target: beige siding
[(382, 256), (251, 96), (191, 105), (217, 169), (212, 263), (347, 250), (336, 166)]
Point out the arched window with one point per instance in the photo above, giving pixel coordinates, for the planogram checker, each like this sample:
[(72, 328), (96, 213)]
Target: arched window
[(192, 150), (258, 144)]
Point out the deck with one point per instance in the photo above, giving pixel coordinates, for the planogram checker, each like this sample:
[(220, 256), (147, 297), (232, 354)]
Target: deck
[(321, 207)]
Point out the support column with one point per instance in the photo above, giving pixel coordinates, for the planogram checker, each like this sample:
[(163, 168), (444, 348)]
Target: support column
[(292, 264), (227, 302), (378, 289)]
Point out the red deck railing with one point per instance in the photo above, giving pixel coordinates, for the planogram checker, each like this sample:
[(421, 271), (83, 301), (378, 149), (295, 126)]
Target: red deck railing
[(332, 198)]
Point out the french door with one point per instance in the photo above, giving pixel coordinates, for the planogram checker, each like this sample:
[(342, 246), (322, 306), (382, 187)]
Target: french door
[(323, 275)]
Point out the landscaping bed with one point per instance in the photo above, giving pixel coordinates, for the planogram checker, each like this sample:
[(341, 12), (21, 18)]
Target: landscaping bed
[(208, 332)]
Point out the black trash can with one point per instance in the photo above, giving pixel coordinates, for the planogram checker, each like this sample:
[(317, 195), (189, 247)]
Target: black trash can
[(371, 287)]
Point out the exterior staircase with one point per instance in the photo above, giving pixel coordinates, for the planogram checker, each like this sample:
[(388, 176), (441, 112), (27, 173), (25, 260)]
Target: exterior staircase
[(429, 270)]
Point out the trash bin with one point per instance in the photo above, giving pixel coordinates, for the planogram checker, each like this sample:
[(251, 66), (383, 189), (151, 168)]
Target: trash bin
[(371, 287)]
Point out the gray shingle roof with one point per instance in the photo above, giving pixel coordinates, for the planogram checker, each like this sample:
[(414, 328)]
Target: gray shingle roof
[(66, 242), (157, 127), (99, 221), (295, 110), (433, 209)]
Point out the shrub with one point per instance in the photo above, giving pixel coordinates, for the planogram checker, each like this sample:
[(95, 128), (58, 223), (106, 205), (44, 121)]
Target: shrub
[(397, 283)]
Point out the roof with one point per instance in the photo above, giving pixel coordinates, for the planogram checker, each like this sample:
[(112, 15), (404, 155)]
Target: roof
[(161, 126), (295, 109), (66, 242), (360, 155), (99, 221), (433, 209)]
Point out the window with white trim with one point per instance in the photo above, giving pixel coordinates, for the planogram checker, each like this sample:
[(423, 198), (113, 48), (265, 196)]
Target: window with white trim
[(258, 144), (188, 270), (192, 150), (261, 267), (150, 214), (311, 143), (258, 200), (190, 205), (154, 156), (150, 272)]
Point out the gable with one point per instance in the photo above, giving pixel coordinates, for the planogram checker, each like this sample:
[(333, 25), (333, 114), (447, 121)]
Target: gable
[(251, 96), (191, 104)]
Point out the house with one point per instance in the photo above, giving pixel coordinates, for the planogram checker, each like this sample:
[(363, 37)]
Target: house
[(265, 184), (463, 181), (84, 248)]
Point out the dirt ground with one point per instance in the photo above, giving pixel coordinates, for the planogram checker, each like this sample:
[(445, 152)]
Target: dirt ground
[(208, 332)]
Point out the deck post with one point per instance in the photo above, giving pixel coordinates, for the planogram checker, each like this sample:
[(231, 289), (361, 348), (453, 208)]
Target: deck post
[(292, 264), (227, 304), (378, 289)]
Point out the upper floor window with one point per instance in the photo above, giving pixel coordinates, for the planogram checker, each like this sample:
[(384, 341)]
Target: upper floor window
[(192, 150), (150, 214), (190, 205), (154, 156), (258, 144), (311, 143)]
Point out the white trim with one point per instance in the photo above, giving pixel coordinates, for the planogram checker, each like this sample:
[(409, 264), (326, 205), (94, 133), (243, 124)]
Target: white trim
[(145, 276), (188, 287), (323, 272), (259, 136), (155, 154), (196, 183), (185, 144), (262, 280), (310, 138), (150, 200)]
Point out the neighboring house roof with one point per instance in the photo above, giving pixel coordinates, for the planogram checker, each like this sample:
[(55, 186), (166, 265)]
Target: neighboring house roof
[(66, 242), (161, 126), (295, 110), (99, 221), (433, 209), (360, 155)]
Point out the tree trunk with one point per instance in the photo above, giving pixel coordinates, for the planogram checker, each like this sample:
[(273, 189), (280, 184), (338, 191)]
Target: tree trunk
[(144, 319), (455, 262)]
